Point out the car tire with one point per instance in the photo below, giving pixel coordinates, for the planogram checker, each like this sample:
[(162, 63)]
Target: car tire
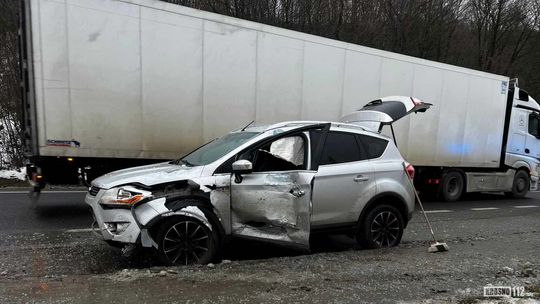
[(520, 185), (452, 186), (185, 240), (382, 227)]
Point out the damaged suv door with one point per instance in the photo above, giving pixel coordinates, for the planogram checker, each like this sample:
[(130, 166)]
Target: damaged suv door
[(271, 189)]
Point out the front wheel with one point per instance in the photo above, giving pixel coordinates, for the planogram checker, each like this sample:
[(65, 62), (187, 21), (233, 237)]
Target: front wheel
[(382, 227), (521, 185), (185, 241)]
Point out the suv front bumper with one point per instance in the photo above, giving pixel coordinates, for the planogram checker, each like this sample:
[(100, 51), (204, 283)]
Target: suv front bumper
[(107, 219)]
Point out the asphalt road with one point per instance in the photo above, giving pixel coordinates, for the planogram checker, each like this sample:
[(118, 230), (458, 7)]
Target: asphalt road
[(48, 255), (54, 211), (66, 210)]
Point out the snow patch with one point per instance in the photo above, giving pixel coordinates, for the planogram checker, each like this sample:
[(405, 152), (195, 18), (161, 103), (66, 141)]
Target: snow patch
[(8, 131), (19, 174)]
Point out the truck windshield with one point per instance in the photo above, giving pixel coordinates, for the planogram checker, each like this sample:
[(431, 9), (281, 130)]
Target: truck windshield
[(216, 149)]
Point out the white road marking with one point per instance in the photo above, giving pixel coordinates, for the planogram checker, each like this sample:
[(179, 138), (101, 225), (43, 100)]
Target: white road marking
[(523, 207), (78, 230), (484, 209), (46, 192), (438, 211)]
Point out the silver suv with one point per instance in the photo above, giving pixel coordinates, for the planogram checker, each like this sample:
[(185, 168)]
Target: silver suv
[(279, 183)]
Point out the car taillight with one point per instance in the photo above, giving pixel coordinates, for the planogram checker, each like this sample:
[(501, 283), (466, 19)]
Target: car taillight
[(410, 171)]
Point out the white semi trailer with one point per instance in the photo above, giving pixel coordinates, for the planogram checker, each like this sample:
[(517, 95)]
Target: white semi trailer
[(114, 83)]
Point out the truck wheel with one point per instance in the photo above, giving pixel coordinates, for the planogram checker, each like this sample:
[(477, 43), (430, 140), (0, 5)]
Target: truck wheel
[(520, 186), (185, 241), (452, 186), (382, 227)]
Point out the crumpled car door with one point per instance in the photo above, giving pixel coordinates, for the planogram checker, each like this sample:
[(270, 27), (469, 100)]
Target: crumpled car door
[(273, 206)]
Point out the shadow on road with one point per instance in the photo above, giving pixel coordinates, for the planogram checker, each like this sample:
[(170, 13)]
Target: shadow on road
[(252, 250), (239, 249)]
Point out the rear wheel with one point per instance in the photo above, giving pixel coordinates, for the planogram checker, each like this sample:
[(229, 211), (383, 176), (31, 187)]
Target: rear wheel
[(186, 241), (382, 227), (520, 186), (452, 186)]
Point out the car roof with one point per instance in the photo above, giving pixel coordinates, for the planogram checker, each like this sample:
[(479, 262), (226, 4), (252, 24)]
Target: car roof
[(291, 125)]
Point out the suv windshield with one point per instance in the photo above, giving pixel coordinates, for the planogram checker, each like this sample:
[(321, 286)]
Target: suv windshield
[(216, 149)]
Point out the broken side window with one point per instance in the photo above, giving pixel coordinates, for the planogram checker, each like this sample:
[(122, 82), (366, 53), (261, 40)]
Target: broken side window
[(290, 149), (284, 154)]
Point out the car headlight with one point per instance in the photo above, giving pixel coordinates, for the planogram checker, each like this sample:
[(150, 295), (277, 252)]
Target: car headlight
[(123, 196)]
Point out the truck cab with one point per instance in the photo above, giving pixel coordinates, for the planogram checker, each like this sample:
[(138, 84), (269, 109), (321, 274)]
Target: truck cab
[(523, 144), (519, 167)]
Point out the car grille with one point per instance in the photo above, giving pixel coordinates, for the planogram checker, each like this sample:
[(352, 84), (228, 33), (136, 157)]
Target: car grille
[(94, 190)]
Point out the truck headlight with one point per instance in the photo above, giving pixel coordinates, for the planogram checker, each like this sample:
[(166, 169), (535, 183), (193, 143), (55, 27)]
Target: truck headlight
[(123, 196)]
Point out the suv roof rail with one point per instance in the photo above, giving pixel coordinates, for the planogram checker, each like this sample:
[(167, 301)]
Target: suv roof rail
[(290, 124), (351, 126), (307, 122)]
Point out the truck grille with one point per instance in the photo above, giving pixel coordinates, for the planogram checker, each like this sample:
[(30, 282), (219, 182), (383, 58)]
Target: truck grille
[(94, 190)]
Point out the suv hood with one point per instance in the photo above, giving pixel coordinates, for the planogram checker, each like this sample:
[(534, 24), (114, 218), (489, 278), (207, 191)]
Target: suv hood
[(385, 111), (147, 175)]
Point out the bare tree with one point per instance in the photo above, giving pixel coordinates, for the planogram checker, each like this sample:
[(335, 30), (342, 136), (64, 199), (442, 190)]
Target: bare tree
[(10, 95), (502, 29), (500, 36)]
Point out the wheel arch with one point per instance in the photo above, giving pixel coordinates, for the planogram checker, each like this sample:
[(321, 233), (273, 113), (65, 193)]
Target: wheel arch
[(524, 168), (457, 170), (521, 165), (387, 198), (178, 206)]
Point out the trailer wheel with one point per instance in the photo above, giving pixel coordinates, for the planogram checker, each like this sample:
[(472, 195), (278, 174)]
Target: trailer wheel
[(520, 186), (452, 186)]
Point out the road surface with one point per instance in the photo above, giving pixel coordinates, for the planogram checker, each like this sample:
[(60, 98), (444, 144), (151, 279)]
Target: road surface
[(48, 255)]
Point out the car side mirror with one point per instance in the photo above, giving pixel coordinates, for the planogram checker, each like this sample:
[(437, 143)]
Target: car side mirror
[(240, 167)]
